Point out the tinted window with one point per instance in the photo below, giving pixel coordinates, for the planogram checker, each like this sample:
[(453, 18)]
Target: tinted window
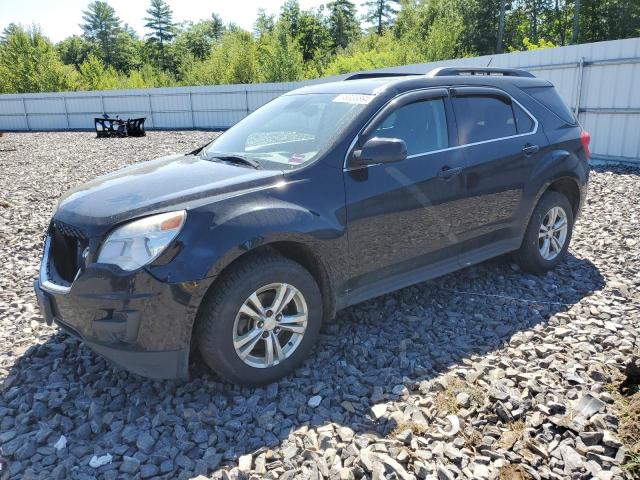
[(550, 99), (524, 122), (422, 125), (482, 117)]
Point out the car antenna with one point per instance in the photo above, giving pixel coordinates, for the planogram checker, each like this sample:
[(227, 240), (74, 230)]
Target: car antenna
[(490, 60)]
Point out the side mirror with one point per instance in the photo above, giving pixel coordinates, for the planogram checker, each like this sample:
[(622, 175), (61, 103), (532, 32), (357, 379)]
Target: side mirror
[(379, 150)]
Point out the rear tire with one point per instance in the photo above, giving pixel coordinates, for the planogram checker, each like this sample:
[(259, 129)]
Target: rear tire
[(548, 234), (245, 331)]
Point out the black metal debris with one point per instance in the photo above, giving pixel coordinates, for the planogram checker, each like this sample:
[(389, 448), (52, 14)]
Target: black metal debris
[(115, 127)]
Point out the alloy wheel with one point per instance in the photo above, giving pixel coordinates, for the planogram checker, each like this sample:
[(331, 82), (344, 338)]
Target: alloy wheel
[(270, 325), (553, 233)]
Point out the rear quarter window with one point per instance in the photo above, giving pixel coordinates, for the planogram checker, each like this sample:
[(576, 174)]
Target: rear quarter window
[(548, 96)]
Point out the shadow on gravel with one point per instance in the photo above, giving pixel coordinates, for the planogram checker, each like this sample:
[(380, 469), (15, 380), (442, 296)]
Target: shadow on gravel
[(182, 429)]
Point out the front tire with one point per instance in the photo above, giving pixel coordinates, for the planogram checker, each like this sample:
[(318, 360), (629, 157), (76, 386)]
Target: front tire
[(260, 320), (548, 234)]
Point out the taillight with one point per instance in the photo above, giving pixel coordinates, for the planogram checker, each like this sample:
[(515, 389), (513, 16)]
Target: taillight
[(585, 139)]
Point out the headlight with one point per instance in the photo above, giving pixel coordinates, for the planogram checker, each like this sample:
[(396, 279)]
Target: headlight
[(139, 242)]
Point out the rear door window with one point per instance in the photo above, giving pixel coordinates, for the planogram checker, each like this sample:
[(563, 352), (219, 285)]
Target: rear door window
[(422, 125), (483, 117)]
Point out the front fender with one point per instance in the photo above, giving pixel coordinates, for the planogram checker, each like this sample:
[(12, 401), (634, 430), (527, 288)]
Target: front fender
[(218, 233)]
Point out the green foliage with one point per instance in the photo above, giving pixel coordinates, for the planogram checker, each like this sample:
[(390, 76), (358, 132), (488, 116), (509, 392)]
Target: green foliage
[(296, 44), (95, 76), (542, 43), (290, 15), (233, 60), (101, 25), (370, 52), (265, 23), (343, 24), (29, 63), (279, 56), (160, 22), (381, 13), (314, 36), (74, 50)]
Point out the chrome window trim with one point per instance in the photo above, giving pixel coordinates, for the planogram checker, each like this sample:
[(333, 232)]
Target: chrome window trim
[(502, 92), (45, 283)]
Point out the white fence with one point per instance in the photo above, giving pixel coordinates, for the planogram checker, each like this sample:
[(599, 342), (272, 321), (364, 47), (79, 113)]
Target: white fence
[(600, 81)]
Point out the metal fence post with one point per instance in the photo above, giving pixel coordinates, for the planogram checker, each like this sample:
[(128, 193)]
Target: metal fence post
[(102, 103), (193, 115), (246, 100), (66, 112), (153, 125), (26, 115), (576, 108)]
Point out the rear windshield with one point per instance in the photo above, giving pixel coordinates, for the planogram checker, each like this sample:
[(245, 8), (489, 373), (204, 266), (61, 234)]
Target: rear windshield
[(548, 96)]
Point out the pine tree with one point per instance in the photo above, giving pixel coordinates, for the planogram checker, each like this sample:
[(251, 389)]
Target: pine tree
[(290, 13), (264, 23), (343, 24), (380, 13), (217, 26), (160, 22), (102, 26)]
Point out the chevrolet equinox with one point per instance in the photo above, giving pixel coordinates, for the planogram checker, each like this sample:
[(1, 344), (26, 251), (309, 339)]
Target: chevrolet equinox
[(325, 197)]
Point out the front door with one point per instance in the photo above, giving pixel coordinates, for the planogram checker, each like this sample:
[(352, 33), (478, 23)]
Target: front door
[(399, 214)]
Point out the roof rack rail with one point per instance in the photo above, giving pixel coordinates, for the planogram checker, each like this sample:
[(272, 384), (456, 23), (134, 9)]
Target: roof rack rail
[(362, 75), (455, 71)]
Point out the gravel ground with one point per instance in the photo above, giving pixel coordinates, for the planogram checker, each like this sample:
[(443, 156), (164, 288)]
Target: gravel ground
[(484, 373)]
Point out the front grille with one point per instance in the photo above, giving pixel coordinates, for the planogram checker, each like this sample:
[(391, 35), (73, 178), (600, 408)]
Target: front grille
[(67, 244), (69, 230)]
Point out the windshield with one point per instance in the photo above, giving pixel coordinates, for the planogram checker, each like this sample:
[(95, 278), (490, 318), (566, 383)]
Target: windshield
[(290, 131)]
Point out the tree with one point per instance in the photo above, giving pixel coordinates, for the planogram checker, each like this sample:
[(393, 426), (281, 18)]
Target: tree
[(29, 63), (279, 58), (160, 22), (343, 24), (74, 50), (290, 14), (608, 19), (380, 13), (102, 26), (265, 23), (314, 36), (94, 75), (127, 55), (233, 60), (217, 26), (200, 37), (8, 31), (499, 46)]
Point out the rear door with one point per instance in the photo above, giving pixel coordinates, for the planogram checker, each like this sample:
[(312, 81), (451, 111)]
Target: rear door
[(502, 143), (399, 214)]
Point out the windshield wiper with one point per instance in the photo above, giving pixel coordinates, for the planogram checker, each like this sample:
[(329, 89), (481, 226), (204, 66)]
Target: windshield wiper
[(237, 159)]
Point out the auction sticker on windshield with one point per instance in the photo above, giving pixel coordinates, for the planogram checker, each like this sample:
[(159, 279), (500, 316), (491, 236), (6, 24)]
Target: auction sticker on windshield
[(354, 98)]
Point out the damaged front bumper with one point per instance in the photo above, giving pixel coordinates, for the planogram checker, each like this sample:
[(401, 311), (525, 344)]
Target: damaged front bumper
[(131, 318)]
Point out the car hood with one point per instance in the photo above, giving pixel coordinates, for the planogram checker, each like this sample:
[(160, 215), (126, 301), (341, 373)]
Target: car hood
[(154, 186)]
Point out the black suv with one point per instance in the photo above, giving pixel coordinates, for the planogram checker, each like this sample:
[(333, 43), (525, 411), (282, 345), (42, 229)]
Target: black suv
[(325, 197)]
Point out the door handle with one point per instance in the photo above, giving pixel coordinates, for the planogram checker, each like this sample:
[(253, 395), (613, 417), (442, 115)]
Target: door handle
[(530, 149), (448, 172)]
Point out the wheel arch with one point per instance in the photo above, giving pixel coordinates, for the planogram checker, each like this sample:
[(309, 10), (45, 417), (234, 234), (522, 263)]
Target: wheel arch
[(569, 187), (297, 251)]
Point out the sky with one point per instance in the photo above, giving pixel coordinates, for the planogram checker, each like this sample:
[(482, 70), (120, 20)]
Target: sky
[(59, 19)]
